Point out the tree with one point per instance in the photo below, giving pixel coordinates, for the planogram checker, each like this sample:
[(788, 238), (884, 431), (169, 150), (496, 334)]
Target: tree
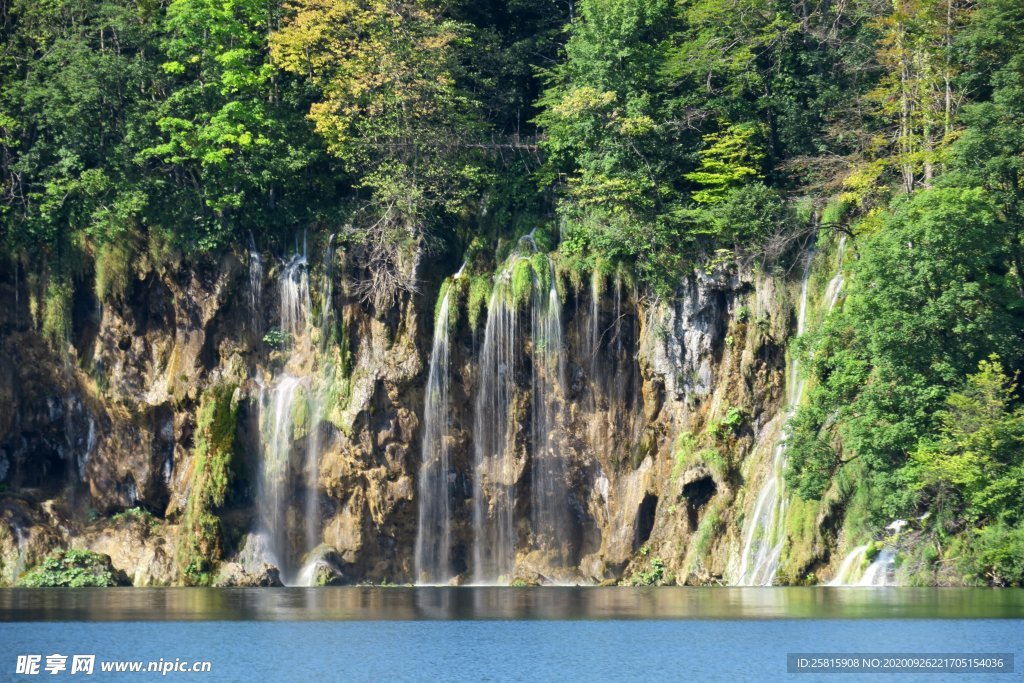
[(391, 112), (728, 160), (229, 131), (74, 76), (917, 92), (930, 296)]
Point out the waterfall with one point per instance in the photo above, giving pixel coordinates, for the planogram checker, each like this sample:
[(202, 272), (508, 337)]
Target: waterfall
[(881, 571), (609, 339), (277, 410), (762, 546), (316, 406), (289, 405), (255, 283), (295, 299), (434, 529), (494, 548), (850, 566), (835, 285), (499, 416), (765, 533), (549, 493)]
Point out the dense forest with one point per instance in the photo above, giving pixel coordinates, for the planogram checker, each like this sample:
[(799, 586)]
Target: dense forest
[(652, 136)]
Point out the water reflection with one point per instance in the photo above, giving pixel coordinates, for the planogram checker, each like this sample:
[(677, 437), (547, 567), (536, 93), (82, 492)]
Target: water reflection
[(430, 603)]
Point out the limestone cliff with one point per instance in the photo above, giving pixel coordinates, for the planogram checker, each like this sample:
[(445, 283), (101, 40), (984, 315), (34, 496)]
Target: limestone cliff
[(117, 442)]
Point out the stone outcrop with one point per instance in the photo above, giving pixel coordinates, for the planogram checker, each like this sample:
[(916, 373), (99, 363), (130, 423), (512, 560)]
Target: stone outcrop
[(110, 426)]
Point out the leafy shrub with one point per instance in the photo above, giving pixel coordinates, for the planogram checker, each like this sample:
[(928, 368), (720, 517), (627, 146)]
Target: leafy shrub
[(72, 569), (276, 338)]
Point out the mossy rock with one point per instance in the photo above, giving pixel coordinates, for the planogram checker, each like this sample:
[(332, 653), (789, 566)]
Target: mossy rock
[(74, 569)]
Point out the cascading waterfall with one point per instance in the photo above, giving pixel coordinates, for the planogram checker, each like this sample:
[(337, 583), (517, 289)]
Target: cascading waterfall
[(850, 567), (434, 530), (277, 408), (295, 299), (494, 547), (835, 285), (881, 570), (614, 381), (290, 403), (762, 546), (765, 532), (879, 573), (496, 421), (549, 511), (255, 283), (316, 407)]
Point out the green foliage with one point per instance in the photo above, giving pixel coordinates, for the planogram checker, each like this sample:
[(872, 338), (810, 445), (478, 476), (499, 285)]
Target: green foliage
[(231, 120), (57, 314), (477, 299), (996, 554), (71, 569), (974, 464), (199, 545), (730, 158), (929, 297), (710, 528), (277, 338), (654, 575), (390, 108), (729, 425)]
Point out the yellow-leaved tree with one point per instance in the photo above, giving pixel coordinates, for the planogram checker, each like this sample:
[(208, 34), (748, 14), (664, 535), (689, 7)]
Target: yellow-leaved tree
[(391, 110)]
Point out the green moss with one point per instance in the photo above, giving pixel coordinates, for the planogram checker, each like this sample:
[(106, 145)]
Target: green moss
[(300, 417), (686, 444), (854, 487), (835, 211), (57, 313), (713, 459), (441, 293), (711, 526), (113, 269), (802, 540), (542, 272), (338, 382), (569, 273), (521, 285), (72, 569), (688, 455), (476, 301), (199, 545)]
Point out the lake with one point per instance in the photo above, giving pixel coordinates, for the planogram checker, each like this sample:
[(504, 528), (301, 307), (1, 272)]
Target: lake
[(499, 634)]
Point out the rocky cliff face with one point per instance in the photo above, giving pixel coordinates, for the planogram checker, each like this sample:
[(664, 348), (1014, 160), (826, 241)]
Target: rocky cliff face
[(666, 418)]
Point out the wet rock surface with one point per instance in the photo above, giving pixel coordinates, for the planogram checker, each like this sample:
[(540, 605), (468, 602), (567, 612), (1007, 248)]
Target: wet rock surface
[(116, 430)]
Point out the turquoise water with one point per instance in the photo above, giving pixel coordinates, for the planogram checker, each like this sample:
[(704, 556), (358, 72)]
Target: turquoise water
[(549, 634)]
